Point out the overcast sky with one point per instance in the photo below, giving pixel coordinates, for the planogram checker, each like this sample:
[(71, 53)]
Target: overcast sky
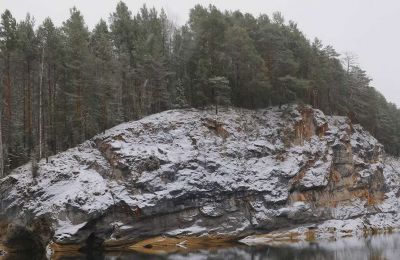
[(368, 28)]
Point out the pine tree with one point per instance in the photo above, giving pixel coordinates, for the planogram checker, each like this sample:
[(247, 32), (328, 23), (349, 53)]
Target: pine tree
[(50, 43), (2, 170), (180, 96), (8, 42), (123, 34), (77, 89), (34, 163), (101, 49), (248, 74), (27, 46), (221, 91)]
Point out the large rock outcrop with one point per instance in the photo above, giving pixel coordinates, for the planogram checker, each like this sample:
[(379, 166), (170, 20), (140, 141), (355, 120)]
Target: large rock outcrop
[(189, 173)]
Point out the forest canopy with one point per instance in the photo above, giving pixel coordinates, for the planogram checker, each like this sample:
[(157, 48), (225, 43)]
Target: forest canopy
[(62, 85)]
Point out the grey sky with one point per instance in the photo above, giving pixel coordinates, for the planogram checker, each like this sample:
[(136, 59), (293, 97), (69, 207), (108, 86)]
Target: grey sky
[(368, 28)]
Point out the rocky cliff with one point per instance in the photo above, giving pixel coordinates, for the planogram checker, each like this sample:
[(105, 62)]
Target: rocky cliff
[(188, 176)]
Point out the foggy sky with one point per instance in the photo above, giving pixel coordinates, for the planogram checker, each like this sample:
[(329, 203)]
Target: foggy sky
[(368, 28)]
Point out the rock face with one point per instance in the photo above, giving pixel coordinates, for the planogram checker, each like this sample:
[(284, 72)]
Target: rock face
[(191, 173)]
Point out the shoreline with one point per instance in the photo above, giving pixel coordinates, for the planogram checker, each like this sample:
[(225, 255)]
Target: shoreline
[(165, 245)]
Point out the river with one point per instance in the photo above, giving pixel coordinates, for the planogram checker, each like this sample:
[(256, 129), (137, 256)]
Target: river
[(372, 248)]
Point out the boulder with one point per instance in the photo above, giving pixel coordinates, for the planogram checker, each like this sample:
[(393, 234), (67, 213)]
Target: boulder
[(189, 173)]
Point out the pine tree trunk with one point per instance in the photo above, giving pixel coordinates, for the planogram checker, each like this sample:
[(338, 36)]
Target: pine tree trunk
[(25, 125), (105, 119), (49, 124), (8, 91), (29, 112), (6, 126), (41, 106), (1, 149), (53, 103)]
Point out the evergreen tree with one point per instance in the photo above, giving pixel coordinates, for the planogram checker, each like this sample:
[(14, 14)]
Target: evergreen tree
[(50, 41), (208, 28), (123, 32), (248, 74), (8, 44), (27, 46), (221, 91), (107, 108), (180, 96), (76, 88)]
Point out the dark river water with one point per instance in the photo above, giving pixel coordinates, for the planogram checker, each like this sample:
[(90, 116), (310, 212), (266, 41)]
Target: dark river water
[(372, 248)]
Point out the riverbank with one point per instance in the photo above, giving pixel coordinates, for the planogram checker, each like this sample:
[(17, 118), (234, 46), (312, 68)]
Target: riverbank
[(379, 245)]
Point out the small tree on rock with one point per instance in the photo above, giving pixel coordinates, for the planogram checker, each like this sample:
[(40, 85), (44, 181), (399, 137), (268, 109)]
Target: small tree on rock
[(34, 163), (180, 97), (221, 91)]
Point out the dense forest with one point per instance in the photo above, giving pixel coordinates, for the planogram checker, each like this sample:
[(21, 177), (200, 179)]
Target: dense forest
[(62, 85)]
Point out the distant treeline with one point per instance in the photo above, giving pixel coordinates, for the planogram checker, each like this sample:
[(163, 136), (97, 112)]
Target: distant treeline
[(62, 85)]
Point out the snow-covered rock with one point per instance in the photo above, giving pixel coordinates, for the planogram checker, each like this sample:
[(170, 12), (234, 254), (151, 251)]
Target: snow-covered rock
[(193, 173)]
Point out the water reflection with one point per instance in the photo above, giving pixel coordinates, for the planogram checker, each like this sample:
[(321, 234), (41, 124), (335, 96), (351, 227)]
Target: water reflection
[(372, 248)]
